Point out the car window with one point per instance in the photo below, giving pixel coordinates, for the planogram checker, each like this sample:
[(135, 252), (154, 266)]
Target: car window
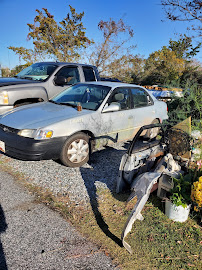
[(70, 73), (121, 96), (139, 98), (89, 74), (88, 95)]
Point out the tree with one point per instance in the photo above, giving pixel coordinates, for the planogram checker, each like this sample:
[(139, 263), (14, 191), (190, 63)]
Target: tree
[(61, 42), (184, 47), (112, 48), (5, 72), (192, 73), (28, 55), (127, 68), (185, 10), (163, 66), (18, 68)]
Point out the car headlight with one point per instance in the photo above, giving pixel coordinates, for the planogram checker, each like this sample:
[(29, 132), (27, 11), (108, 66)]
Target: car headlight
[(4, 98), (30, 133), (43, 134), (39, 134)]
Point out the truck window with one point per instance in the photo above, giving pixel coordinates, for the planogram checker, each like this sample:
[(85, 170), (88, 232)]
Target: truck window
[(71, 73), (89, 74)]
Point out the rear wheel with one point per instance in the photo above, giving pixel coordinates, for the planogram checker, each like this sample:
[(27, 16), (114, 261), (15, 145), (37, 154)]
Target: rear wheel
[(152, 132), (75, 151)]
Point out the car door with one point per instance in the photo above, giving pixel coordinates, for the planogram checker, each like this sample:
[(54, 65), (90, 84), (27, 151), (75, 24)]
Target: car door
[(71, 73), (118, 125), (142, 107)]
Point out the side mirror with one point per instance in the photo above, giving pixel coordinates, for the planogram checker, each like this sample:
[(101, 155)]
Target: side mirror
[(60, 80), (113, 107)]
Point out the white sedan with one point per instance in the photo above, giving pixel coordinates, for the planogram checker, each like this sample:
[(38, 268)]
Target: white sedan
[(79, 119)]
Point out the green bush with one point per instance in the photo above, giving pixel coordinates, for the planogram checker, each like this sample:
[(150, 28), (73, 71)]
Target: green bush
[(190, 104)]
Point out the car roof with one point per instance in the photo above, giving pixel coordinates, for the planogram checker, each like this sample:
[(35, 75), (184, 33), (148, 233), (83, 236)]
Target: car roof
[(113, 84)]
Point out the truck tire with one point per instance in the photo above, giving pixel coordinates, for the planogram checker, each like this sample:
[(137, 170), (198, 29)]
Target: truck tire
[(152, 132), (75, 151)]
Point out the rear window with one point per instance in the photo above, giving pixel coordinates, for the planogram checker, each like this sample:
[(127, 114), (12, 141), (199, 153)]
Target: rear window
[(89, 74)]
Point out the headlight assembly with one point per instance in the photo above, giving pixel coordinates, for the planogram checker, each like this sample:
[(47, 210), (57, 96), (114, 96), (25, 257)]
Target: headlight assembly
[(43, 134), (4, 98), (30, 133), (39, 134)]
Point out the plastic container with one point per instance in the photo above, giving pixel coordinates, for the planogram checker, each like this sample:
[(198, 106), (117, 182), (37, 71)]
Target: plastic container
[(176, 213), (79, 107)]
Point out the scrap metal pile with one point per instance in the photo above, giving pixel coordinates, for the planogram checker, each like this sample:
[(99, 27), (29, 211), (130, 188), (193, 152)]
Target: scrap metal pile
[(151, 164)]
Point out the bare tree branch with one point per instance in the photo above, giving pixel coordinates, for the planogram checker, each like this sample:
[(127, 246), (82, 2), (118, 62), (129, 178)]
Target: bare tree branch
[(185, 10)]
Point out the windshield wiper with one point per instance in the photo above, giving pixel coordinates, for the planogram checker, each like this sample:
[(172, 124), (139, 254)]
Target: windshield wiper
[(52, 101), (63, 103), (68, 104), (27, 77)]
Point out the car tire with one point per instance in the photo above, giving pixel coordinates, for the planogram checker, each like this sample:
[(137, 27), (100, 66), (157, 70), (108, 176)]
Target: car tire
[(75, 151), (152, 132)]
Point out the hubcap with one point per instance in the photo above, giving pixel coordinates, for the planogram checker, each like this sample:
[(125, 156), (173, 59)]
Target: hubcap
[(77, 151)]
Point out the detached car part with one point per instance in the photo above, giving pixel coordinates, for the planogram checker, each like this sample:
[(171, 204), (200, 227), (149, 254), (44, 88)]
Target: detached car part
[(145, 164)]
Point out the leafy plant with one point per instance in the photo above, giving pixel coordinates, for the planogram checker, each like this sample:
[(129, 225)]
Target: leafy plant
[(190, 104), (181, 192)]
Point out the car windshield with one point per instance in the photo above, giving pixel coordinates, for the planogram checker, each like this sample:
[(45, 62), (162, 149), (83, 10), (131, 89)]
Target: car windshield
[(37, 72), (90, 96)]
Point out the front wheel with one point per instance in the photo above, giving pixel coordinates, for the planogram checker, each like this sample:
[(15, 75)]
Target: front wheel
[(75, 151)]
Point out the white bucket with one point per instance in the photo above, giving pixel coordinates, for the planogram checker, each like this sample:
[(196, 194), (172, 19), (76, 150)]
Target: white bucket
[(176, 213)]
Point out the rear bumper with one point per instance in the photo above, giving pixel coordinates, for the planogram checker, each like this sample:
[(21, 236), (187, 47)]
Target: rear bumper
[(29, 149)]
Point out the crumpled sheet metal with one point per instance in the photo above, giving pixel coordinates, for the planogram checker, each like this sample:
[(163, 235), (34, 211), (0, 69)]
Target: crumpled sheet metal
[(142, 187), (131, 164)]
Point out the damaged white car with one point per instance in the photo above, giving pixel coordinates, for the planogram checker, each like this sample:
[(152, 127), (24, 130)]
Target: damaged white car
[(79, 119)]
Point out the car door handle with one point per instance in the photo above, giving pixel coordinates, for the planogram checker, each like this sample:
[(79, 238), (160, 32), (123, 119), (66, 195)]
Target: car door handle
[(130, 117)]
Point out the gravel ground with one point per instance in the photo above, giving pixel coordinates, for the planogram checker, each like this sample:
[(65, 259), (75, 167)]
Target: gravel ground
[(34, 237), (79, 184)]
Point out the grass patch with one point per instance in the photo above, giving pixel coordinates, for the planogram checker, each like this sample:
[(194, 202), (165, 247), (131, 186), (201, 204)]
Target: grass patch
[(157, 242)]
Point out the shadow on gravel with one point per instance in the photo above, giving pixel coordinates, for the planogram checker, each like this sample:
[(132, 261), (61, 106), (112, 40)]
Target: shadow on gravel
[(3, 227), (105, 167)]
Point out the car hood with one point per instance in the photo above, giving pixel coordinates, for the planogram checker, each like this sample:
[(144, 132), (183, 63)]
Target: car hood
[(39, 115), (14, 81)]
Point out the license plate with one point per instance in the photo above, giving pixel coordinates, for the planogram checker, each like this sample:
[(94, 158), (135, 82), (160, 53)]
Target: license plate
[(2, 146)]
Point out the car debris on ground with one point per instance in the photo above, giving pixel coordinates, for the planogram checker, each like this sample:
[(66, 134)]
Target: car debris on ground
[(149, 165)]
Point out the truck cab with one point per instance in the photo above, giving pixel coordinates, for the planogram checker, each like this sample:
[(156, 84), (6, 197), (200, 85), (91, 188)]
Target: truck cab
[(41, 81)]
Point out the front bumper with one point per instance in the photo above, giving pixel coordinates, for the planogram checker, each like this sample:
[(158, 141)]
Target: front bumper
[(29, 149)]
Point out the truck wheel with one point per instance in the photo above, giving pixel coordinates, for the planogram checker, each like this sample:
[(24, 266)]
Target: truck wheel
[(75, 151), (152, 132)]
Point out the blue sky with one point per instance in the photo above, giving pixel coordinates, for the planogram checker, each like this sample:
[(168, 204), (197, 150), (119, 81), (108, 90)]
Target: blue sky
[(151, 29)]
